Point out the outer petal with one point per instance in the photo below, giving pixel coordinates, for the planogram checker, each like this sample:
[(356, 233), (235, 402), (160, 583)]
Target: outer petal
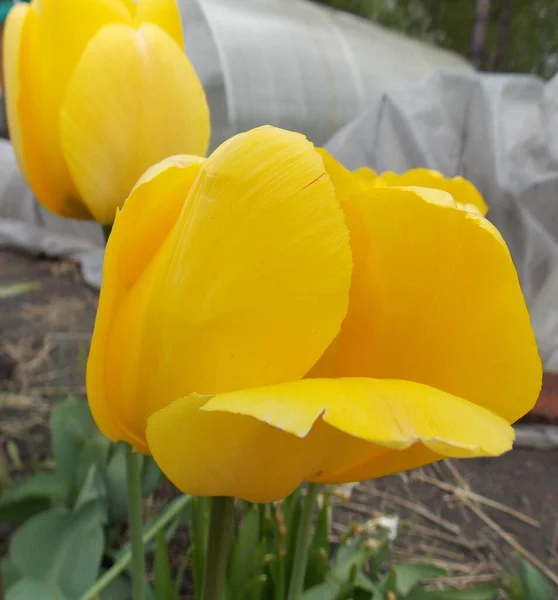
[(250, 288), (260, 444), (56, 32), (165, 14), (463, 191), (149, 214), (435, 299), (12, 50), (133, 89)]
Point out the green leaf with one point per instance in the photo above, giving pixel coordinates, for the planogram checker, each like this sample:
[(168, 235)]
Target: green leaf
[(70, 425), (119, 589), (9, 574), (32, 495), (481, 593), (254, 588), (31, 589), (318, 567), (324, 591), (62, 548), (16, 289), (115, 480), (164, 587), (353, 562), (240, 565), (92, 490), (408, 576), (534, 584), (321, 532)]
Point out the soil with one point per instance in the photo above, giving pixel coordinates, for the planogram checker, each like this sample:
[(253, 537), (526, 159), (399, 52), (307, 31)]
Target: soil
[(44, 338)]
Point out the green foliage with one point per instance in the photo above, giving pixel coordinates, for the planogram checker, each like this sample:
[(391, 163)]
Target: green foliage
[(521, 34), (71, 519), (260, 560), (528, 583)]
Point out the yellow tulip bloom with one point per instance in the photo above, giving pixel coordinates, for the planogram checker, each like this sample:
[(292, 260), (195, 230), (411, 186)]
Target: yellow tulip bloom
[(263, 322), (464, 193), (96, 92)]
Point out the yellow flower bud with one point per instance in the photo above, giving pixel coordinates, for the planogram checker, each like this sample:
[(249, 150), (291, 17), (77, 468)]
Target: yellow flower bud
[(96, 92)]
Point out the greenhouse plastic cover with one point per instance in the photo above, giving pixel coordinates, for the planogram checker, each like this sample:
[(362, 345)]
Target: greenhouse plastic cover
[(299, 66)]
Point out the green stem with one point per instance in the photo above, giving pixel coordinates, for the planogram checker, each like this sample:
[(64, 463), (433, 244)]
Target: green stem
[(135, 516), (303, 543), (172, 510), (220, 535)]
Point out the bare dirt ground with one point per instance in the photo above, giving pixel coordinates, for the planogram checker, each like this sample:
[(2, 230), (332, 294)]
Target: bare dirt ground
[(472, 517)]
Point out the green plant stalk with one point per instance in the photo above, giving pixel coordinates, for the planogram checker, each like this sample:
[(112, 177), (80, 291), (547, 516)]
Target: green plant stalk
[(198, 532), (296, 586), (120, 565), (135, 517), (220, 535)]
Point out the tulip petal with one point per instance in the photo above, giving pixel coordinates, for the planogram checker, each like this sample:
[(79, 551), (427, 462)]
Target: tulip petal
[(249, 288), (260, 444), (435, 299), (133, 100), (148, 216), (463, 191), (151, 211), (165, 14), (12, 51), (56, 33)]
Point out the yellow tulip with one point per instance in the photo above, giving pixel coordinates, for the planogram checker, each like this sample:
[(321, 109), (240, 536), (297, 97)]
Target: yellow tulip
[(464, 193), (261, 323), (96, 92)]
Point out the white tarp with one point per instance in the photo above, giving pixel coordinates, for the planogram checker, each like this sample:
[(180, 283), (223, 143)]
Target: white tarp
[(299, 66), (501, 133)]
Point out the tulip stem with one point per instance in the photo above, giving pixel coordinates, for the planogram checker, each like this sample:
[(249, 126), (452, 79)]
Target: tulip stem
[(220, 535), (303, 543), (135, 516)]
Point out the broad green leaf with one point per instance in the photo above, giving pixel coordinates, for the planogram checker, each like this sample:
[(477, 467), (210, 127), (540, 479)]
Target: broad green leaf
[(408, 576), (9, 574), (164, 587), (119, 589), (94, 451), (117, 489), (534, 584), (240, 565), (484, 593), (324, 591), (62, 548), (31, 589), (32, 495), (70, 424), (93, 490), (16, 289)]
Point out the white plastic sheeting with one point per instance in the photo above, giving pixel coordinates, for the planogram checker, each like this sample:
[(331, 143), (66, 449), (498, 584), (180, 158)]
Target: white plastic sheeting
[(501, 133), (299, 66), (296, 64)]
